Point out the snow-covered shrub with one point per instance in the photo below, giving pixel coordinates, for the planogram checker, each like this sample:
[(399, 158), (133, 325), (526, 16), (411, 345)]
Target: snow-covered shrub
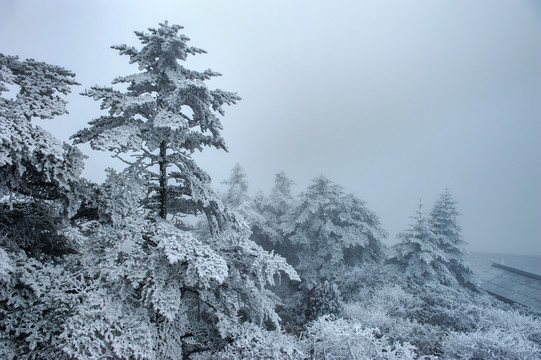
[(425, 315), (33, 227), (6, 267), (388, 309), (451, 308), (528, 326), (490, 344), (324, 299), (252, 342), (328, 338)]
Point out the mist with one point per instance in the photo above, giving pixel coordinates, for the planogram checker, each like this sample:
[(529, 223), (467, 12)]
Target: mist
[(393, 101)]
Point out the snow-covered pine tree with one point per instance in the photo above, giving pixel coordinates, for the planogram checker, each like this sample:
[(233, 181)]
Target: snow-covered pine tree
[(193, 291), (324, 299), (267, 231), (418, 255), (281, 198), (40, 174), (237, 198), (448, 235), (237, 194), (32, 162), (166, 114), (331, 231), (272, 210)]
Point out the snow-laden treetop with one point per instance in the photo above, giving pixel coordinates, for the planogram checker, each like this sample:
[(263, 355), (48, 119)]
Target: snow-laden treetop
[(166, 113), (40, 85), (165, 101)]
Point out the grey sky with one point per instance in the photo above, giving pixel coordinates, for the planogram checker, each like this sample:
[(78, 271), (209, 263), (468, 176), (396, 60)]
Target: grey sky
[(393, 100)]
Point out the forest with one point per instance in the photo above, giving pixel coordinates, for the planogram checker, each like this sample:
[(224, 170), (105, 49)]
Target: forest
[(154, 263)]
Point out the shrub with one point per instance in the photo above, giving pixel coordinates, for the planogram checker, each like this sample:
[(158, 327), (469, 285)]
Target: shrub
[(490, 344)]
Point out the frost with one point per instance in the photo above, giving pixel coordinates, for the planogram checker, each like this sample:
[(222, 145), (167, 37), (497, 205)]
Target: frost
[(32, 162), (6, 267), (203, 264), (168, 119), (121, 137)]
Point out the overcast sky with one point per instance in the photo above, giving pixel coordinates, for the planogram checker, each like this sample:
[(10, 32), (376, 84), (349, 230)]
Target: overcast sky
[(393, 100)]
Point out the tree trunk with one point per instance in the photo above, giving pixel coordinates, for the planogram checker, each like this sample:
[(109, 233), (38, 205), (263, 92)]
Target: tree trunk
[(163, 180)]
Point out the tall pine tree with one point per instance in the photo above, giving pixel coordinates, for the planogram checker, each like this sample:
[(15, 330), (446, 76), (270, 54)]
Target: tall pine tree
[(166, 114), (195, 291), (41, 176), (418, 255), (237, 198), (448, 235)]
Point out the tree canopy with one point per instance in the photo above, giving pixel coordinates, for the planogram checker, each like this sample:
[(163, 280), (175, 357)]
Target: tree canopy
[(166, 113)]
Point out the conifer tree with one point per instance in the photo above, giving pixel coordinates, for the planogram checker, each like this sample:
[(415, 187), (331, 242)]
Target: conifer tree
[(418, 255), (166, 114), (237, 198), (449, 239), (32, 162), (237, 194), (281, 196), (324, 299), (194, 291), (41, 175), (331, 231), (273, 210)]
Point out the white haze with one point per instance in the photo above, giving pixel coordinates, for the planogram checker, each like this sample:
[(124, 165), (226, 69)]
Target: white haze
[(393, 100)]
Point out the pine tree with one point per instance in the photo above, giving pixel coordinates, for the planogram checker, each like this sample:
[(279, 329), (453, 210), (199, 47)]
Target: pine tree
[(38, 173), (165, 115), (32, 162), (418, 255), (331, 231), (281, 196), (449, 239), (324, 299), (237, 198), (237, 194), (41, 176), (272, 210), (194, 292)]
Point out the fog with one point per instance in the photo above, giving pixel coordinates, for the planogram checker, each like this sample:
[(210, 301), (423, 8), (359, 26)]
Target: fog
[(394, 101)]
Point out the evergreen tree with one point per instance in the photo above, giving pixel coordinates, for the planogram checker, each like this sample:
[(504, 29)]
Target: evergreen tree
[(165, 115), (32, 162), (237, 194), (38, 173), (281, 198), (272, 210), (324, 299), (418, 255), (449, 239), (237, 198), (195, 291), (331, 231), (41, 175)]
